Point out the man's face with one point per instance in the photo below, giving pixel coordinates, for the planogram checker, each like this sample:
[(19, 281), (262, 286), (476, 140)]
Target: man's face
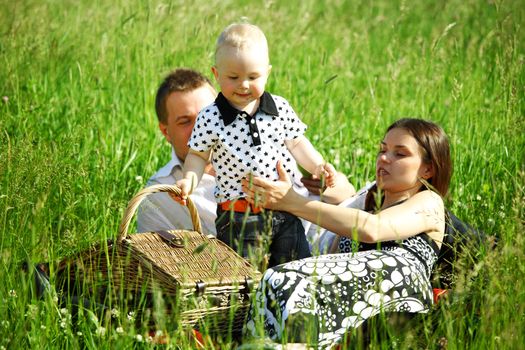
[(183, 108)]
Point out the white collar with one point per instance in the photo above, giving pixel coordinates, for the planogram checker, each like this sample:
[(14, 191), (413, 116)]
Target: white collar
[(167, 169)]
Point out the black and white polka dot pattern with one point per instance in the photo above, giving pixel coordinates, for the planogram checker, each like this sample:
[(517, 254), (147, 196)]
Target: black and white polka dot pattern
[(243, 144), (340, 291)]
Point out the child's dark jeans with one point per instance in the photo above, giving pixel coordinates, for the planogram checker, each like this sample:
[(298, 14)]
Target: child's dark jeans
[(251, 235)]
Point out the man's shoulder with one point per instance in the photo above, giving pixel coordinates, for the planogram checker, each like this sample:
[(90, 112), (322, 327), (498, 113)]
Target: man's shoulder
[(163, 176)]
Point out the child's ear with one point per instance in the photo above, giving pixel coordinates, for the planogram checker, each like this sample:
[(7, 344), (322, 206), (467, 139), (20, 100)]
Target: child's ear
[(269, 69), (215, 72)]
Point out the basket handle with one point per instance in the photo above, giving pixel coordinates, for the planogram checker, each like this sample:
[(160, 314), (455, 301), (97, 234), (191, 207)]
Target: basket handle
[(135, 201)]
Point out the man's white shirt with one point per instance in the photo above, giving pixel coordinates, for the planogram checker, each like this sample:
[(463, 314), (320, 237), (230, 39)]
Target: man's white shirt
[(160, 212)]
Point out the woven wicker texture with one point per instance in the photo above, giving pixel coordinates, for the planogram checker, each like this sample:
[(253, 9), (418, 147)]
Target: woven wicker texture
[(203, 258), (205, 276)]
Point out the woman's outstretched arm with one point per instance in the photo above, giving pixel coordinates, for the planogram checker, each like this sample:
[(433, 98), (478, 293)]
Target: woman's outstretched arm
[(423, 212)]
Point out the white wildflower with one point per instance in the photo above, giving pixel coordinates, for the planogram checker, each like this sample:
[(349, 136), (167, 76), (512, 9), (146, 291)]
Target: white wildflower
[(139, 338), (114, 313), (63, 311), (131, 316), (32, 311), (12, 293), (138, 178), (55, 299), (63, 324), (101, 331), (119, 330), (79, 333), (42, 327)]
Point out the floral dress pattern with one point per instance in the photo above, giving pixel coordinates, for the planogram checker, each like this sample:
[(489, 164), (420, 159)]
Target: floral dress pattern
[(341, 291)]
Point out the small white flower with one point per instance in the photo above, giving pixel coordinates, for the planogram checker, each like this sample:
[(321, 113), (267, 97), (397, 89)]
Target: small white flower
[(63, 324), (79, 333), (138, 178), (12, 293), (119, 330), (158, 333), (42, 327), (1, 346), (32, 311), (149, 339), (114, 313), (131, 316), (139, 338), (101, 331), (55, 299), (478, 197), (63, 311), (5, 99)]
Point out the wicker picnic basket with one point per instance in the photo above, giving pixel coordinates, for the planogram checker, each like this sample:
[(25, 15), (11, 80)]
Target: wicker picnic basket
[(198, 277)]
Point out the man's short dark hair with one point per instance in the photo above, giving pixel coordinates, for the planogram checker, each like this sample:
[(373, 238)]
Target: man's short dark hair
[(180, 80)]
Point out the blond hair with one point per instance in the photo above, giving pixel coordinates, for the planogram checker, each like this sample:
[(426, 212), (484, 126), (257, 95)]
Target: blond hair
[(241, 36)]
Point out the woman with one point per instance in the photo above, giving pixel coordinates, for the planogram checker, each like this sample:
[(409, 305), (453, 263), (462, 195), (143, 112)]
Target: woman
[(391, 246)]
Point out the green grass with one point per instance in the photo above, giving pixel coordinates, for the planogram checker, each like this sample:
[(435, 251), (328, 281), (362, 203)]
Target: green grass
[(78, 134)]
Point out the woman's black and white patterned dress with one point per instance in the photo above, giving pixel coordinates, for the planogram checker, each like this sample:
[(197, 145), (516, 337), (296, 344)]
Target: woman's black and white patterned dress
[(342, 290)]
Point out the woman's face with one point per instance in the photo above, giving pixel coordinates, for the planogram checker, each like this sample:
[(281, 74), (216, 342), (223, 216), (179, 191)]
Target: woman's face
[(399, 164)]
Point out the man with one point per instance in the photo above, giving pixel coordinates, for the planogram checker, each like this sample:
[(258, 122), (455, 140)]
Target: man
[(180, 97)]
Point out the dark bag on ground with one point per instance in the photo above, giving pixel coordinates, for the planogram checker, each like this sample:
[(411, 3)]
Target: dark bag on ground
[(460, 240)]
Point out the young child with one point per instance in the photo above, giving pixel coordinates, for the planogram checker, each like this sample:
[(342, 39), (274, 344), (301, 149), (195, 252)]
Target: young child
[(246, 131)]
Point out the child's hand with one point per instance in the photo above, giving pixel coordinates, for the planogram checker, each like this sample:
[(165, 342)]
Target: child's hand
[(185, 186), (327, 171)]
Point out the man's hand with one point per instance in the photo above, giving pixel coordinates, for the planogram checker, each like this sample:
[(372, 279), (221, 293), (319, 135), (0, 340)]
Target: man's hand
[(313, 184), (342, 189)]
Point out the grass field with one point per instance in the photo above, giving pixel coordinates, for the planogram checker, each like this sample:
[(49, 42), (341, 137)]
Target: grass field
[(78, 134)]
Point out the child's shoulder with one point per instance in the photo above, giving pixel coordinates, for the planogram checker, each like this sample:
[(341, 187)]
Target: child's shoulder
[(210, 109), (279, 100)]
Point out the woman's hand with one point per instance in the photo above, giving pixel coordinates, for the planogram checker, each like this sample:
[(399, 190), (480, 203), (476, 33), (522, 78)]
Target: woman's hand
[(275, 195)]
